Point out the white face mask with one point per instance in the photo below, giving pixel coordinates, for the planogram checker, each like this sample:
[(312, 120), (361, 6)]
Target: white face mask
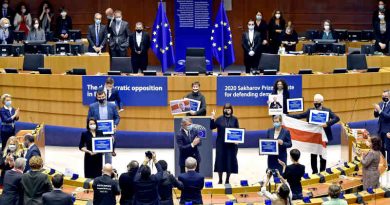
[(277, 16), (6, 25), (63, 14), (381, 16), (5, 6), (92, 127), (12, 147), (326, 27), (118, 19), (251, 28), (36, 26), (381, 7), (258, 17), (23, 10)]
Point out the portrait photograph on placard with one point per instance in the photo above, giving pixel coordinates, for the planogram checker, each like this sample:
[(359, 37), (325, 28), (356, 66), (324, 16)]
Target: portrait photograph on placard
[(180, 106), (275, 104), (295, 105)]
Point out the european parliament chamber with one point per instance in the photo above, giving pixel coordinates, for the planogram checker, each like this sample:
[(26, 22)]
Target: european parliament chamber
[(195, 102)]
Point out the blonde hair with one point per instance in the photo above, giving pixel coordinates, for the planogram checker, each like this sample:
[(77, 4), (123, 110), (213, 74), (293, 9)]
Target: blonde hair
[(4, 96), (18, 151), (36, 163), (2, 21)]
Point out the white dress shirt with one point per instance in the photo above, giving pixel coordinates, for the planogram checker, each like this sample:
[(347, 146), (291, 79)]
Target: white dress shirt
[(138, 38)]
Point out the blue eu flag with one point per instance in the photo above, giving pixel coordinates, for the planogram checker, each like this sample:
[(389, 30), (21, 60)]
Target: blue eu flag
[(221, 39), (162, 44)]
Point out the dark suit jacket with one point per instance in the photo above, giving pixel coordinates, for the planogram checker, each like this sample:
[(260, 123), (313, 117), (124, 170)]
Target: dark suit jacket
[(111, 112), (382, 38), (333, 119), (105, 190), (63, 23), (35, 184), (275, 105), (57, 197), (383, 119), (91, 36), (114, 97), (147, 189), (334, 34), (12, 188), (120, 41), (32, 151), (254, 46), (285, 136), (144, 45), (11, 14), (165, 186), (184, 143), (193, 183), (6, 120), (126, 184), (375, 15)]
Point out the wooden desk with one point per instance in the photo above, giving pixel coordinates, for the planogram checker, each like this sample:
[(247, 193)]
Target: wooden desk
[(11, 62), (93, 64)]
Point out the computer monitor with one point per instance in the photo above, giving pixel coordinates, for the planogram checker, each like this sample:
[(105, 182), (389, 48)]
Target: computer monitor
[(77, 49), (309, 48), (368, 49), (373, 69), (150, 73), (367, 35), (33, 47), (49, 36), (312, 34), (114, 72), (324, 45), (17, 50), (44, 70), (47, 49), (234, 73), (74, 35), (79, 71), (270, 72), (342, 34), (305, 71), (340, 70), (354, 35), (5, 49), (192, 73), (19, 36), (62, 48), (338, 48), (11, 70)]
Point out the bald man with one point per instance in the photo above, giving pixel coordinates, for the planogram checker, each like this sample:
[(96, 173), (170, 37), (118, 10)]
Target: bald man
[(97, 35), (105, 189), (139, 45), (110, 18)]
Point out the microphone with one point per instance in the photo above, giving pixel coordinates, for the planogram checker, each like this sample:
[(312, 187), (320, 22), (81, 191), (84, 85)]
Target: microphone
[(353, 110)]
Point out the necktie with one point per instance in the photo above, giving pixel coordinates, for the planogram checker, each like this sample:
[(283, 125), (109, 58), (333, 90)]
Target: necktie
[(97, 35)]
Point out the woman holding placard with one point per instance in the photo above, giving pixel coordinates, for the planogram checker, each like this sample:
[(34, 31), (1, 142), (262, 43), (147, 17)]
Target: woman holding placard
[(226, 153), (93, 162)]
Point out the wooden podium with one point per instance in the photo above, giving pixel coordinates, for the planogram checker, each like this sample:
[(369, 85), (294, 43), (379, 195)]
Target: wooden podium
[(39, 136)]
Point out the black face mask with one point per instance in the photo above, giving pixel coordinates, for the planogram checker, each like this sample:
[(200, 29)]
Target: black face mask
[(226, 113), (385, 99), (101, 101), (139, 30), (317, 105), (195, 93)]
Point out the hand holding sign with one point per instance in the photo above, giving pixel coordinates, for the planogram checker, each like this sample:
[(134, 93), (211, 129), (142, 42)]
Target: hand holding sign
[(196, 141)]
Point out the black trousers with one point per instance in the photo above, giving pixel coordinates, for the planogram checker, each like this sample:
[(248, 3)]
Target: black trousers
[(251, 62), (314, 163), (118, 53), (139, 62), (183, 169), (385, 148)]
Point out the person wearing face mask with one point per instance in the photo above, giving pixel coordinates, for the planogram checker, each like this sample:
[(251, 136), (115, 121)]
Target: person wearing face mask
[(113, 94), (37, 33), (197, 95), (262, 27), (139, 46), (251, 43), (188, 141), (7, 11), (97, 35), (46, 16), (382, 33), (381, 7), (119, 36), (327, 32), (281, 88), (382, 112), (283, 137), (226, 153), (102, 110), (275, 28), (63, 25), (10, 154), (333, 119), (93, 162), (6, 34), (289, 38), (22, 20), (9, 116)]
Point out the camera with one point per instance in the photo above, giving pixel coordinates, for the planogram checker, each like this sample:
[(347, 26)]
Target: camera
[(149, 154)]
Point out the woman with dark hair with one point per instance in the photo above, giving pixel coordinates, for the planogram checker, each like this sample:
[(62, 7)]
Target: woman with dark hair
[(289, 38), (275, 28), (226, 153), (261, 27), (46, 15), (327, 32), (93, 162), (370, 163), (281, 88), (382, 32), (37, 33), (64, 24), (22, 20)]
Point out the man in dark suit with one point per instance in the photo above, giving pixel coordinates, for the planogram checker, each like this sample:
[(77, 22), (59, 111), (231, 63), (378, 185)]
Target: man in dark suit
[(97, 35), (146, 184), (32, 149), (382, 112), (139, 45), (187, 140), (251, 42), (112, 93), (105, 189), (166, 184), (57, 196), (192, 183), (119, 37), (7, 12), (12, 186), (126, 183), (333, 119)]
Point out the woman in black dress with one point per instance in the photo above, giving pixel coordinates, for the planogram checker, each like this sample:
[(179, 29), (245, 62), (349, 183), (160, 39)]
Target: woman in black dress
[(275, 28), (262, 27), (93, 162), (281, 88), (226, 153)]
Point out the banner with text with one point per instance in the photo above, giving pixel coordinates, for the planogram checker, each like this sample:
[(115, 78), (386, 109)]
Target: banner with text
[(253, 90), (192, 29), (133, 91)]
